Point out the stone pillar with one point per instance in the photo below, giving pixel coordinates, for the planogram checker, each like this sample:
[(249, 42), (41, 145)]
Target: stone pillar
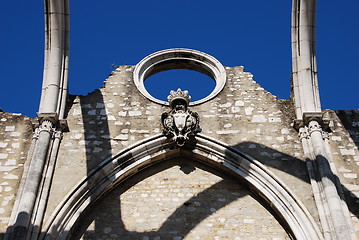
[(327, 178), (32, 196), (54, 87), (310, 124), (333, 212), (32, 182), (304, 67)]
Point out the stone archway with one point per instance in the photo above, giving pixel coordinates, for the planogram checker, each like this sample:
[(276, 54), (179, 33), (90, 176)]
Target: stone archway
[(207, 150)]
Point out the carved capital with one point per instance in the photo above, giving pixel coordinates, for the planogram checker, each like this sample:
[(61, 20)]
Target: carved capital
[(319, 117), (46, 126), (58, 134), (303, 133), (52, 117), (312, 116), (36, 133), (49, 117), (325, 135), (314, 126), (298, 124)]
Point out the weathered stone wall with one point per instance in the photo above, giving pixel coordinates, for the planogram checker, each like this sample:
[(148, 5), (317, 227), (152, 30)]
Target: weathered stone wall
[(344, 142), (15, 141), (180, 199), (243, 115)]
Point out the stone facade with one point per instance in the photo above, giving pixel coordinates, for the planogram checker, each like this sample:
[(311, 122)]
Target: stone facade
[(118, 164), (243, 115), (181, 197), (188, 201)]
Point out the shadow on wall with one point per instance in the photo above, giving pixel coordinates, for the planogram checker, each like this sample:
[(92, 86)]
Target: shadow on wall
[(295, 167), (350, 120), (19, 232), (96, 131), (182, 218), (188, 215), (180, 222)]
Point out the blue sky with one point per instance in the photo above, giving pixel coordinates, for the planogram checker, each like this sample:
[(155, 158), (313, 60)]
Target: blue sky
[(254, 34)]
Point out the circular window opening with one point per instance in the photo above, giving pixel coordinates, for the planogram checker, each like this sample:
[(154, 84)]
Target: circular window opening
[(197, 84), (180, 60)]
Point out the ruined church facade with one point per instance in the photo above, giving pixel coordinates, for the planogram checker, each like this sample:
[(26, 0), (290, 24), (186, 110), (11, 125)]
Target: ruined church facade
[(237, 164)]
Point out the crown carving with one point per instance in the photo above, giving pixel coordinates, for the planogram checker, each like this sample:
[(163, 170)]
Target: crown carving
[(179, 96), (180, 123)]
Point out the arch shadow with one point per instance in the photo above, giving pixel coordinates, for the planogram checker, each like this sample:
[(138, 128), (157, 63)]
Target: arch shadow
[(180, 222), (135, 158)]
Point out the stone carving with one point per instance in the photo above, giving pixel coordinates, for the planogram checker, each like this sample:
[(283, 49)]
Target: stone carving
[(46, 126), (180, 123)]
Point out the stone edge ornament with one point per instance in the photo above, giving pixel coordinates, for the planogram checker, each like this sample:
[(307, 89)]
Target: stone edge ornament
[(180, 123)]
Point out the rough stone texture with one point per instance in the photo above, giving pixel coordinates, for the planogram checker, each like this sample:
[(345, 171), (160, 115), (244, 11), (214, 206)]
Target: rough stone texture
[(344, 142), (15, 140), (243, 115), (180, 199)]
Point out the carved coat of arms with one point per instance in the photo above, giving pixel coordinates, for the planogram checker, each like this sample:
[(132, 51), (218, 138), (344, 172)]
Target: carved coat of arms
[(180, 123)]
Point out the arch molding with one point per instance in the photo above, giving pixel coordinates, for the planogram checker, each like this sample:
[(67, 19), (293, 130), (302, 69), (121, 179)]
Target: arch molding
[(210, 151)]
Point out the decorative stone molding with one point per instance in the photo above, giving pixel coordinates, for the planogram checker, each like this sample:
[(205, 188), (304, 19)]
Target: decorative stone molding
[(149, 151), (179, 58), (58, 134), (36, 133), (314, 126), (46, 126), (303, 133), (51, 117), (325, 135), (41, 117), (180, 123), (321, 118)]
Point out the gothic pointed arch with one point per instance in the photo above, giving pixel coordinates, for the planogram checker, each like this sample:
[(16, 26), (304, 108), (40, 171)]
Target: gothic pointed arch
[(202, 148)]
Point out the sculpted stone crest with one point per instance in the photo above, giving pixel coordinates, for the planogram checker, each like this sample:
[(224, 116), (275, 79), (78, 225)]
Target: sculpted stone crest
[(180, 123)]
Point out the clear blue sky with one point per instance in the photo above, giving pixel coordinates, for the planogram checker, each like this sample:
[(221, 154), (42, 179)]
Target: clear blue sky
[(254, 34)]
